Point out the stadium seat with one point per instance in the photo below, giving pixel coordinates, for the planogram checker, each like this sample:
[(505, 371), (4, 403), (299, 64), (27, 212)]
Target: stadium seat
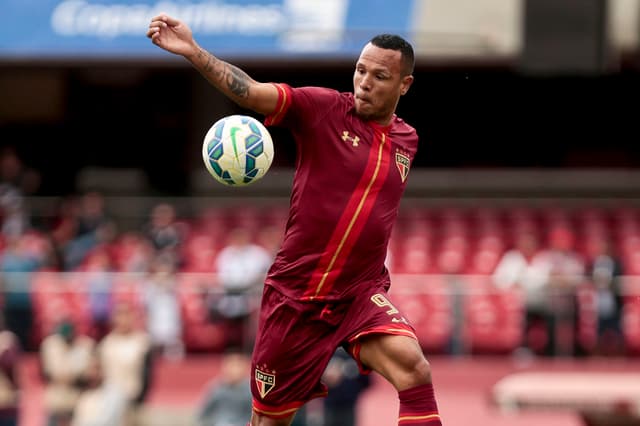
[(131, 252), (484, 261), (412, 255), (199, 252), (199, 332), (493, 320), (49, 304), (587, 318), (631, 315), (427, 305)]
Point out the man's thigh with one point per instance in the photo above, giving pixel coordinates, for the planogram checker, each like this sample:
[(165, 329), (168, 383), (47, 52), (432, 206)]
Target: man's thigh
[(373, 315)]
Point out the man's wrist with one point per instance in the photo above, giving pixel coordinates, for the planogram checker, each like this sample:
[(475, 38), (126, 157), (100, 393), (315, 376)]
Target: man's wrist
[(193, 52)]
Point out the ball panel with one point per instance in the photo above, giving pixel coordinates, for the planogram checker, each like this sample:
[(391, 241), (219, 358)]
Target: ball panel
[(216, 150), (237, 150), (256, 149)]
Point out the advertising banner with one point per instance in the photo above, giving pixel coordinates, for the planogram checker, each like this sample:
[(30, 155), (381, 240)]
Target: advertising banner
[(256, 29)]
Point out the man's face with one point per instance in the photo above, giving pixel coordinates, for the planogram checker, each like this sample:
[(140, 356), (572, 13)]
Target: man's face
[(123, 320), (378, 83)]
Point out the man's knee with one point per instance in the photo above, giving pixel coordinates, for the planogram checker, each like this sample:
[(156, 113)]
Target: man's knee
[(422, 371), (398, 358), (415, 366)]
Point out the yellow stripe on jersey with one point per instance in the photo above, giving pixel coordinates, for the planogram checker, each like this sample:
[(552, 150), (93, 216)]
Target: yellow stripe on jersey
[(354, 218)]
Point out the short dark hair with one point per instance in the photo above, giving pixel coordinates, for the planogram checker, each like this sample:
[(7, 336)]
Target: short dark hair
[(395, 42)]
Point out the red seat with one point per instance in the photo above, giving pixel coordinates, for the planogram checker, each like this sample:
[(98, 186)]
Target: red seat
[(413, 261), (484, 262), (199, 333), (199, 253), (494, 320), (131, 252), (587, 317), (451, 261), (427, 306), (631, 326)]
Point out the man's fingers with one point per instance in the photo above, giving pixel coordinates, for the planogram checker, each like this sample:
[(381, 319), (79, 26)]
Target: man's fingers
[(171, 21), (157, 24), (163, 17), (160, 17), (152, 31)]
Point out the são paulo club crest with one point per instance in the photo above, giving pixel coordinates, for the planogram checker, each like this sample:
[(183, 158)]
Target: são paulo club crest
[(403, 162), (265, 382)]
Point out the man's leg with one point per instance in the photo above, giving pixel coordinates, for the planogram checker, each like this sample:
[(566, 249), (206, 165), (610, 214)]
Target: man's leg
[(400, 360), (259, 420)]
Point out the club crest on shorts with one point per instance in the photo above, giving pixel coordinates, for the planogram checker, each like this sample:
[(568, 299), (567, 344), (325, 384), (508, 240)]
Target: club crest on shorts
[(265, 382), (403, 162)]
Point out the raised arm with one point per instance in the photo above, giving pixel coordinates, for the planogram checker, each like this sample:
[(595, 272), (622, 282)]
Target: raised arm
[(176, 37)]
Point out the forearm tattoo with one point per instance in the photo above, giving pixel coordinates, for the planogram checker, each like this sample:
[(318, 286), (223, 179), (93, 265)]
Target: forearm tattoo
[(225, 75), (207, 59), (237, 81)]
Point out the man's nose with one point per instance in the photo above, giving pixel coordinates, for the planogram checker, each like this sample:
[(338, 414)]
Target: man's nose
[(365, 83)]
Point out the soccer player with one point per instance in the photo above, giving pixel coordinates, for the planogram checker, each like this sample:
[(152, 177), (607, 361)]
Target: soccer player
[(328, 284)]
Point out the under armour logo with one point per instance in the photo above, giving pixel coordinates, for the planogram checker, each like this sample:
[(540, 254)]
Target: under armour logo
[(354, 140)]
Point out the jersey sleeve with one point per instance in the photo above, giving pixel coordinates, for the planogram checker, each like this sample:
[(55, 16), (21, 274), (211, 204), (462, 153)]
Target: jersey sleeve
[(307, 105)]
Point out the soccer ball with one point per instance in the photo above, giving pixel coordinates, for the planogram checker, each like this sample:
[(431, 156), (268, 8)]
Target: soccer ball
[(237, 150)]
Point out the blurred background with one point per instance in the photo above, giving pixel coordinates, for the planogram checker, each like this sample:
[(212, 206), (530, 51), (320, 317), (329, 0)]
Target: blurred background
[(516, 254)]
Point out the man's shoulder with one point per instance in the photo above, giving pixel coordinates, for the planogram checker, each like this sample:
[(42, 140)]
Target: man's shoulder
[(316, 89), (402, 127), (319, 92)]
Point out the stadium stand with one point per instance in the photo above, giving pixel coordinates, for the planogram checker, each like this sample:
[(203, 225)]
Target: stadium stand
[(436, 254)]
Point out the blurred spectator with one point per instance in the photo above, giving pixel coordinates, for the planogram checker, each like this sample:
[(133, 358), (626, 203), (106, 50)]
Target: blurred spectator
[(92, 229), (518, 268), (15, 173), (16, 181), (132, 253), (92, 213), (302, 417), (163, 230), (125, 355), (345, 384), (605, 270), (100, 403), (241, 267), (13, 218), (228, 400), (9, 387), (566, 266), (22, 256), (163, 309), (548, 278), (99, 277), (63, 228), (565, 270), (65, 359)]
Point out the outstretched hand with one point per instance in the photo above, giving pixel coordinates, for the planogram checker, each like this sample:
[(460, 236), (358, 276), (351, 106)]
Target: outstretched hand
[(172, 35)]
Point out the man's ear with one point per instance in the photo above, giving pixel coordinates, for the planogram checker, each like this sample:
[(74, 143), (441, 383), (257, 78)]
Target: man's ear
[(407, 80)]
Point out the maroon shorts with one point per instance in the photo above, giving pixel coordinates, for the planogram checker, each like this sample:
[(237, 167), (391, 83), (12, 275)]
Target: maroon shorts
[(297, 339)]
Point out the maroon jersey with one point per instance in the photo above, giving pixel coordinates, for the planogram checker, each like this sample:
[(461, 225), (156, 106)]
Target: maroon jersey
[(350, 177)]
